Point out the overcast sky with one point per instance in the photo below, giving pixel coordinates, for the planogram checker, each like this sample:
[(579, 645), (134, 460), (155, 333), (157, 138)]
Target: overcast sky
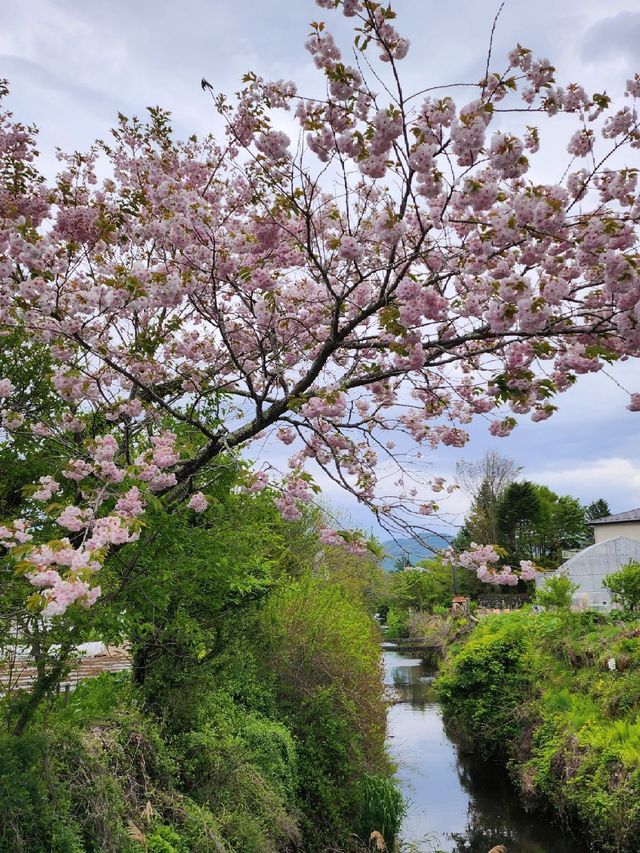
[(73, 64)]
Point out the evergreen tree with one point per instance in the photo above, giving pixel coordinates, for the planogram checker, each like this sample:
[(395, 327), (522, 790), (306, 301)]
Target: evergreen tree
[(519, 511), (597, 509), (534, 523)]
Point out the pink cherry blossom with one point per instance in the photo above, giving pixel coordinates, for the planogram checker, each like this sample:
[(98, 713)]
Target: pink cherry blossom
[(349, 249), (485, 561), (11, 421), (581, 143), (633, 86), (110, 530), (48, 487), (131, 503), (256, 482), (529, 571), (73, 518), (6, 388), (198, 502), (78, 470), (361, 294)]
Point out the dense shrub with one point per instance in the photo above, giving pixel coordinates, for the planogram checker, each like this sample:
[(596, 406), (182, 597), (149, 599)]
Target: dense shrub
[(275, 743), (323, 655), (556, 592), (76, 787), (558, 695), (486, 679), (34, 811), (242, 768), (381, 808), (624, 585), (116, 782), (253, 713), (397, 623)]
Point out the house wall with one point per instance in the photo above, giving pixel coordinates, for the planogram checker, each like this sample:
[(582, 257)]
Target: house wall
[(630, 529)]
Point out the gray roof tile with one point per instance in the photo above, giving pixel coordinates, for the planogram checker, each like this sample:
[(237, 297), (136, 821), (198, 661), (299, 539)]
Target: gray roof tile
[(620, 518)]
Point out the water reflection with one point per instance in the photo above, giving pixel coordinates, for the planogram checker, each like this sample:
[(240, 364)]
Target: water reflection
[(411, 680), (457, 802)]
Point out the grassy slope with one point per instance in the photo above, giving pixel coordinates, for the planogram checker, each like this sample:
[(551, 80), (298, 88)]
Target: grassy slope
[(540, 691)]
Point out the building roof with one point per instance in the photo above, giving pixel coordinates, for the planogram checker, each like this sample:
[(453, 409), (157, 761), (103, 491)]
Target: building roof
[(621, 518), (604, 557)]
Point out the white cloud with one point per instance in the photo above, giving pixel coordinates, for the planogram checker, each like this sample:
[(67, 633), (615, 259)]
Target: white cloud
[(614, 478), (615, 38)]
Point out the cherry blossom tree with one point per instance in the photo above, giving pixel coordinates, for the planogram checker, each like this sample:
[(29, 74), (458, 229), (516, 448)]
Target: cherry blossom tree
[(391, 269)]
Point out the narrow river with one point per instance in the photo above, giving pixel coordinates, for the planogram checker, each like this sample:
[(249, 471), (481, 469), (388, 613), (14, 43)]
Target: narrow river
[(457, 802)]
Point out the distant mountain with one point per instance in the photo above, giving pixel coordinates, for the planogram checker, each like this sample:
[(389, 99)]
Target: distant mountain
[(413, 550)]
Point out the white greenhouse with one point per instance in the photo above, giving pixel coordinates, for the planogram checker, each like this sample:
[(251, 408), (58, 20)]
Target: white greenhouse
[(588, 568)]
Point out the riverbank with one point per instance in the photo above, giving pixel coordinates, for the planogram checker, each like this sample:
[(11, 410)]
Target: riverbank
[(457, 802), (555, 698), (275, 743)]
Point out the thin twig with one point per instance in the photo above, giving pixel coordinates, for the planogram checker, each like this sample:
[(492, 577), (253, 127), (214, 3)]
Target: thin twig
[(493, 29)]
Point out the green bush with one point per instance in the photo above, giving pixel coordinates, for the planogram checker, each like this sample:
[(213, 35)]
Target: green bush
[(557, 592), (64, 789), (35, 813), (323, 655), (625, 585), (263, 748), (397, 623), (242, 767), (557, 695), (253, 711), (102, 776), (485, 680)]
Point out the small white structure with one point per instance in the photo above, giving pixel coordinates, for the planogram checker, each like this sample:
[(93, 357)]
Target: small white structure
[(622, 524), (588, 568)]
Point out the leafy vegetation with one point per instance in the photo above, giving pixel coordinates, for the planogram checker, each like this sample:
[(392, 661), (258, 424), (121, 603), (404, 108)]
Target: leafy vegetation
[(556, 592), (323, 660), (624, 585), (166, 305), (527, 520), (415, 594), (253, 719), (556, 695), (535, 523), (486, 686)]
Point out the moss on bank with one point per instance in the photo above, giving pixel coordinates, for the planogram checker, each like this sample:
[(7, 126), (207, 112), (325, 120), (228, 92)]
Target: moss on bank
[(557, 697)]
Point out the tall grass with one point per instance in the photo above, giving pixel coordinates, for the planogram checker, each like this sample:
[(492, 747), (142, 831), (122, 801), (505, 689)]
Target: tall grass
[(382, 808)]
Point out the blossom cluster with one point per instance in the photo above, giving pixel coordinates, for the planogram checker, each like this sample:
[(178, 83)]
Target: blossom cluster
[(153, 463), (403, 271), (484, 560)]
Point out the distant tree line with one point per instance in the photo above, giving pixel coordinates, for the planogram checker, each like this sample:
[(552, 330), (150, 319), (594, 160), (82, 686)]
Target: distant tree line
[(528, 520)]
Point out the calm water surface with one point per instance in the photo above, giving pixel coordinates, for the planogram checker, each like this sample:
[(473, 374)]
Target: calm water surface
[(457, 802)]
